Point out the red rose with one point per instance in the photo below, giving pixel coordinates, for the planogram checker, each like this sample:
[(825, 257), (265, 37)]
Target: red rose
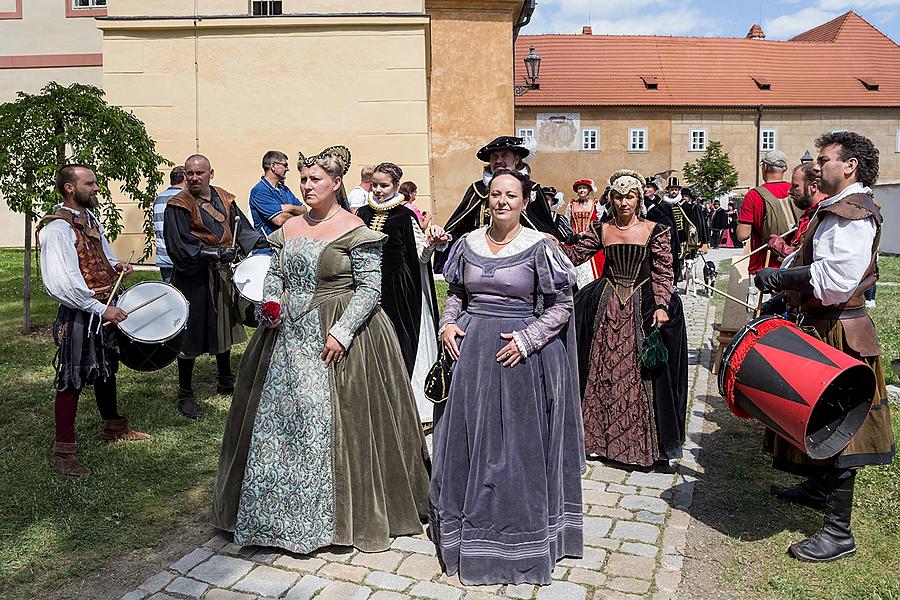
[(271, 310)]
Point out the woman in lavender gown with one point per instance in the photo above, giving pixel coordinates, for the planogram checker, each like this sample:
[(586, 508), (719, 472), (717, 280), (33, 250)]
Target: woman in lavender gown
[(505, 496)]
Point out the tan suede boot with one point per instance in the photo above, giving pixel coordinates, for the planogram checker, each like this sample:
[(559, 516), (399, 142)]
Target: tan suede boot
[(117, 430), (64, 460)]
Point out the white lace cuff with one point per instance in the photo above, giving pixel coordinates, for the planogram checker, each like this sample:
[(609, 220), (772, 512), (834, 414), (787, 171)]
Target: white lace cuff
[(519, 339), (343, 335)]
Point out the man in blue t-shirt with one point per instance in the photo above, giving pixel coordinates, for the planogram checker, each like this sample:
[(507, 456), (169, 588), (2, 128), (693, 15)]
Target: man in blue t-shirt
[(271, 201)]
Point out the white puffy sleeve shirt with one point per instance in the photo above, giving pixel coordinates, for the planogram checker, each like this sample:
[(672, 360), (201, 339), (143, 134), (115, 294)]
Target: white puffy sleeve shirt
[(60, 271), (842, 252)]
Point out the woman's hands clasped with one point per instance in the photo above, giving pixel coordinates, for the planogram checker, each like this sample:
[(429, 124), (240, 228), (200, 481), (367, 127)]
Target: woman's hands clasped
[(509, 355), (448, 339), (333, 351), (435, 236)]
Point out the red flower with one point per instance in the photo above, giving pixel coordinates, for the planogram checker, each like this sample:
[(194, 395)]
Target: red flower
[(271, 310)]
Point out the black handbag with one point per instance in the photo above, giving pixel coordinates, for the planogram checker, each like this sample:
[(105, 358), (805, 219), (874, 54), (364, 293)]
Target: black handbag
[(654, 353), (437, 382)]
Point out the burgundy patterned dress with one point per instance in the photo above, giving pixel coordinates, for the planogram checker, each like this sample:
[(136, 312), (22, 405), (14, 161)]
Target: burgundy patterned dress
[(623, 404)]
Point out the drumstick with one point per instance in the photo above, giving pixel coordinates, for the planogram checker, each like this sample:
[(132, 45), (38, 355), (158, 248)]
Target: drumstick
[(729, 296), (761, 248), (237, 224), (139, 306), (115, 287)]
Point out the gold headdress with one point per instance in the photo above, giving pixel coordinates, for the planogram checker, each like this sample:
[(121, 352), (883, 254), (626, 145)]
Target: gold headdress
[(625, 180), (342, 153)]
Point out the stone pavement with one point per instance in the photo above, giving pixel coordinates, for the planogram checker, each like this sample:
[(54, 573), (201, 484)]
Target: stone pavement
[(635, 529)]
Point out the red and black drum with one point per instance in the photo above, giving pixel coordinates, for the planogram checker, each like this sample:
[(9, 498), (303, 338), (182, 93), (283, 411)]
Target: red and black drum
[(810, 393)]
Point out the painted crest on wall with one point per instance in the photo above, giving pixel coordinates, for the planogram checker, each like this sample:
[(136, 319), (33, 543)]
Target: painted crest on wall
[(558, 132)]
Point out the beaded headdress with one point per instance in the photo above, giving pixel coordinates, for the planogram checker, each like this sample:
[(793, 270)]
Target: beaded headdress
[(625, 180), (342, 153)]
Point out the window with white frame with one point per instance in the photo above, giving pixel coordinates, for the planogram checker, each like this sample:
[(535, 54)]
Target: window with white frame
[(590, 140), (698, 140), (637, 139), (88, 4), (526, 133), (897, 143), (767, 140), (265, 8)]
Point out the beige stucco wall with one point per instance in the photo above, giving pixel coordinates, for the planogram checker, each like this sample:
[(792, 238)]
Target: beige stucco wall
[(285, 83), (45, 30), (669, 131), (471, 90), (240, 7)]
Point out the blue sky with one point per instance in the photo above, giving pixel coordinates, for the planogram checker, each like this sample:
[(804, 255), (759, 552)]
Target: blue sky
[(728, 18)]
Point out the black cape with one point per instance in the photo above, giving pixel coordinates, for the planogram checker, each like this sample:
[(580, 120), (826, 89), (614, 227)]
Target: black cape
[(660, 211), (214, 319), (401, 278), (473, 213)]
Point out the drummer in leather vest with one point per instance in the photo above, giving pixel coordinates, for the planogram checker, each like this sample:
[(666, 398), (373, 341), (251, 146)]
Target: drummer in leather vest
[(79, 270), (200, 226), (823, 283)]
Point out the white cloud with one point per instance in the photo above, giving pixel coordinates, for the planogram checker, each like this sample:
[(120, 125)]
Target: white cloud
[(631, 17), (789, 25)]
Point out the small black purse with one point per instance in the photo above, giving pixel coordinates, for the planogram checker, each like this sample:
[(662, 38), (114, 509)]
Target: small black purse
[(437, 382)]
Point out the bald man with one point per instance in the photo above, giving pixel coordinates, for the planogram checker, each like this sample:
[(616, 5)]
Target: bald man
[(200, 226)]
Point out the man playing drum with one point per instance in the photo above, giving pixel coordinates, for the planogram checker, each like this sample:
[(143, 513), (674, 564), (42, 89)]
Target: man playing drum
[(823, 283), (201, 224), (79, 270)]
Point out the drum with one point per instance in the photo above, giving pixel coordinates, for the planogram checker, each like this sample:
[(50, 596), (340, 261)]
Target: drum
[(152, 335), (812, 394), (249, 276)]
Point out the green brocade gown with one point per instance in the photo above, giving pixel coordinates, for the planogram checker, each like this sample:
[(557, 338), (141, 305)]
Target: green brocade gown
[(315, 455)]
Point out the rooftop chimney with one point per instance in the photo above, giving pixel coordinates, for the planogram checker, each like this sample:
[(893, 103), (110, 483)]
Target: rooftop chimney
[(756, 33), (586, 30)]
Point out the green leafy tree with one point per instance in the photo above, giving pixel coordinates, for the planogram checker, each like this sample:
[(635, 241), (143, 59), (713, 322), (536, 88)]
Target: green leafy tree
[(41, 132), (713, 174)]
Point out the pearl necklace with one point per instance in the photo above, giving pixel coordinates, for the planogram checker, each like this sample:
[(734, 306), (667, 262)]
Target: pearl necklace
[(322, 220), (490, 237), (634, 222)]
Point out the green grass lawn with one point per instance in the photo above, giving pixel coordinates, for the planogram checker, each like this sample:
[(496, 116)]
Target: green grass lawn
[(54, 527)]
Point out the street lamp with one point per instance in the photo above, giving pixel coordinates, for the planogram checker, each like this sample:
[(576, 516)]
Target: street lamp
[(806, 158), (532, 73)]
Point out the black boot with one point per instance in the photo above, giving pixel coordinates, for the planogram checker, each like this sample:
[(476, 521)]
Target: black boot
[(225, 384), (187, 405), (808, 493), (834, 541)]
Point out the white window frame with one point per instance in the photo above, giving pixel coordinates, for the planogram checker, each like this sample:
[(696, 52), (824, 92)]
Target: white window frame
[(763, 147), (590, 139), (897, 143), (644, 139), (526, 133), (270, 6), (698, 147), (88, 4)]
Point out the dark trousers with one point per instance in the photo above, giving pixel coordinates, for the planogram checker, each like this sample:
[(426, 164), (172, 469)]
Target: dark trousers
[(166, 273), (186, 369), (715, 238), (67, 407)]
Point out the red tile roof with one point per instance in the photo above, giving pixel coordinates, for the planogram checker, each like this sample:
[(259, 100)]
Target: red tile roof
[(611, 70)]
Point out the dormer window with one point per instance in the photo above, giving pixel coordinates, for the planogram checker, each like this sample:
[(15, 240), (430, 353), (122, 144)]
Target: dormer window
[(869, 83), (651, 82), (761, 82)]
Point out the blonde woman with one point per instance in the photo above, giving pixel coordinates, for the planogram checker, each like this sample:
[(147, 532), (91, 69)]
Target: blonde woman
[(322, 444)]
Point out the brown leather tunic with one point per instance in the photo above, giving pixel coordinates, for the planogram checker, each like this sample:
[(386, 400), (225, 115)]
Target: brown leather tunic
[(96, 269), (185, 200)]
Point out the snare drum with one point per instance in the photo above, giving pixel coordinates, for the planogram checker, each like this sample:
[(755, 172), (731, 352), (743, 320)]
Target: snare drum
[(151, 337), (249, 276)]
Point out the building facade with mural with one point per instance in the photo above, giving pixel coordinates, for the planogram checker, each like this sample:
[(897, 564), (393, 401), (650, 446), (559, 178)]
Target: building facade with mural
[(422, 83), (653, 103)]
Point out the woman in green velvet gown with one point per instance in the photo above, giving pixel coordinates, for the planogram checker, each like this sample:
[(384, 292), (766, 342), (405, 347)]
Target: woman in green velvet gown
[(322, 444)]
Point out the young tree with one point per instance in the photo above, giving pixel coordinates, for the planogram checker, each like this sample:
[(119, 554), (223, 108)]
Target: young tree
[(713, 174), (39, 133)]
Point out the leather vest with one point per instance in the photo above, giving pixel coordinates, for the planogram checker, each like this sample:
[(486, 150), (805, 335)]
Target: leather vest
[(859, 330), (185, 200), (98, 273), (779, 216)]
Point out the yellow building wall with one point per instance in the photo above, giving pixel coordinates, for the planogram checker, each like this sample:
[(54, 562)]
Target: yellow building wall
[(471, 99), (167, 8), (283, 83), (44, 30), (669, 140)]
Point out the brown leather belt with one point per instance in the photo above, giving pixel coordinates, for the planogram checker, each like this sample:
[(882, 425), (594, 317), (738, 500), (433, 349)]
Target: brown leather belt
[(835, 314)]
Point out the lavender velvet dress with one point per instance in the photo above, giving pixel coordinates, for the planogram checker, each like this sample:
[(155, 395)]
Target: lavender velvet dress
[(505, 495)]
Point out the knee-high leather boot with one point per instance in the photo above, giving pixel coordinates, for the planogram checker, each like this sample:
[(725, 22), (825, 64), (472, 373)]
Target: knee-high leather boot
[(834, 541)]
